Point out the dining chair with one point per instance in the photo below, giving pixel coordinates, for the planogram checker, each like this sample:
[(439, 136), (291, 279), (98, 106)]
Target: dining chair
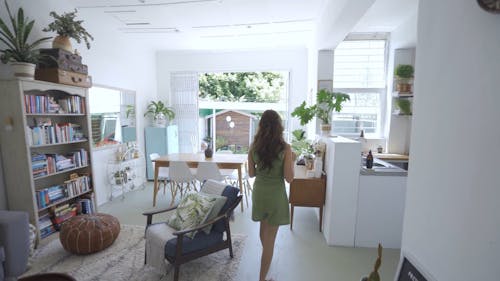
[(208, 171), (231, 177), (162, 173), (181, 179)]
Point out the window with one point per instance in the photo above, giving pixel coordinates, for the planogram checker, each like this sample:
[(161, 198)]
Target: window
[(359, 70)]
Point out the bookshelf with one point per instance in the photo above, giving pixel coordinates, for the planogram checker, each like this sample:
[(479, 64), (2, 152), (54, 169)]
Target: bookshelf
[(46, 151)]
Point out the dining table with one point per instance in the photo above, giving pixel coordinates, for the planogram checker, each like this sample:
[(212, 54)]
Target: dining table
[(223, 161)]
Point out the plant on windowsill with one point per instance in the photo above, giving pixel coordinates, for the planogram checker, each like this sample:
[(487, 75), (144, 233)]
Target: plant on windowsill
[(404, 75), (326, 103), (67, 27), (21, 55), (161, 113)]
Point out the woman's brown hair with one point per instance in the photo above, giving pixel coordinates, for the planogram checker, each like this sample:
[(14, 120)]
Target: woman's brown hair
[(268, 143)]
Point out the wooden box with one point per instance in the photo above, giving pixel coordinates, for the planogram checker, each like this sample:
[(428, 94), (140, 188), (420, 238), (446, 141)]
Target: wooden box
[(56, 75), (60, 54)]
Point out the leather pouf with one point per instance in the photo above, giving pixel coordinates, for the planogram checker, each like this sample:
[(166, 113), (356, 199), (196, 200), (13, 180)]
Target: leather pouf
[(86, 234)]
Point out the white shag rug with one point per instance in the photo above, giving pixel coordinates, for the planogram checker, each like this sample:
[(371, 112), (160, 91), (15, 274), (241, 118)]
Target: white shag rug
[(124, 260)]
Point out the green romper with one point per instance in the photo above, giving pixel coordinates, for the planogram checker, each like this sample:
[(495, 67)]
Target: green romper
[(269, 199)]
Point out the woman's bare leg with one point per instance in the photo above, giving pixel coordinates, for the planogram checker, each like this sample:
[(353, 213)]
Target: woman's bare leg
[(268, 237)]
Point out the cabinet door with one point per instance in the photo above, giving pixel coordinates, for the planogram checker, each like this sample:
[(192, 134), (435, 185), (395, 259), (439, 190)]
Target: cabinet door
[(173, 139), (156, 142)]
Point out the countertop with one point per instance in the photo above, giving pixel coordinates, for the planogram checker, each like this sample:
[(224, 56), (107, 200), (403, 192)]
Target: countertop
[(391, 156), (382, 168)]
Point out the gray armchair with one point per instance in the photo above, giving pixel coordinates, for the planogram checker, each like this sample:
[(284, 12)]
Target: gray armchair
[(14, 244), (15, 248)]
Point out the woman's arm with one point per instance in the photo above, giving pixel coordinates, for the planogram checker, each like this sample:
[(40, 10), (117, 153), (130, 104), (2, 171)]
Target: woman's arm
[(288, 164), (251, 165)]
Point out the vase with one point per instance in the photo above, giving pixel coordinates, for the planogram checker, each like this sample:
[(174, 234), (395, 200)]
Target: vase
[(209, 152), (160, 120), (23, 69), (62, 42)]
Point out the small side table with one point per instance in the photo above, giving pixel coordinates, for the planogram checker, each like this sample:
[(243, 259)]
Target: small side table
[(307, 192)]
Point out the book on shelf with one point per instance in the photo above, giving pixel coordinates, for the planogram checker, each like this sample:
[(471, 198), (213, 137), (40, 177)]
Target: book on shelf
[(47, 132), (86, 206), (58, 193), (46, 164), (34, 104)]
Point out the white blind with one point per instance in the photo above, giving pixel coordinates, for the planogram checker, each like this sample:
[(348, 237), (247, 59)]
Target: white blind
[(359, 64), (184, 87)]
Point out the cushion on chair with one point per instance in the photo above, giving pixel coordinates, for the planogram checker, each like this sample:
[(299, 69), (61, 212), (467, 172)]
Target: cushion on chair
[(231, 193), (192, 211), (214, 212), (200, 241)]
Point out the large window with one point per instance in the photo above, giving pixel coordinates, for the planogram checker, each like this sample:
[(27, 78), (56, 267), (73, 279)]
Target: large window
[(360, 71)]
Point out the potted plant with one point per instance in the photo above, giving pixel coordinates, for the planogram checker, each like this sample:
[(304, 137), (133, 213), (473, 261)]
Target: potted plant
[(160, 113), (67, 27), (326, 103), (404, 106), (301, 146), (404, 74), (21, 55)]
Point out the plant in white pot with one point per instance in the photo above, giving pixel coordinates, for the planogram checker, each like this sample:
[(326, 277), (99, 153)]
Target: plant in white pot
[(21, 55), (67, 27), (160, 113), (326, 103)]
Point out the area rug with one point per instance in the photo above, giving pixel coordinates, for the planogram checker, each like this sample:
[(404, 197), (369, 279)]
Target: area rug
[(124, 260)]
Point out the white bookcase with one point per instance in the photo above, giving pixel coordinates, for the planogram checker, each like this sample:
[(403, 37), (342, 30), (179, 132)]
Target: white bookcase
[(66, 134)]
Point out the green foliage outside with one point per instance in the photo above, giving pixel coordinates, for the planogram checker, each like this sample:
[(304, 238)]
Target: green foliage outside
[(242, 86)]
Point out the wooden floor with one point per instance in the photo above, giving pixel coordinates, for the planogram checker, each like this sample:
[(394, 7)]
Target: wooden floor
[(301, 254)]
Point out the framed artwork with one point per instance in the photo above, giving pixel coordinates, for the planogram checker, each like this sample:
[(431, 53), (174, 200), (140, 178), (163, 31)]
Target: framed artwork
[(325, 84)]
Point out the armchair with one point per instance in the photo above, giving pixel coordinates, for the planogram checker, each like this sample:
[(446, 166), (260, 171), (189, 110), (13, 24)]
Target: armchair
[(180, 249)]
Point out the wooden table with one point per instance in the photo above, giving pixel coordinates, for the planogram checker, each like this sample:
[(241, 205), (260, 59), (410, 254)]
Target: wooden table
[(307, 192), (223, 161)]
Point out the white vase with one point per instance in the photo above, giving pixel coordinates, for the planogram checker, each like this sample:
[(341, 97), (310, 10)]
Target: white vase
[(23, 70), (160, 120)]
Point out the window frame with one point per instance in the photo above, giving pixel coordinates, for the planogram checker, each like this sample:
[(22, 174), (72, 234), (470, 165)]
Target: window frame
[(382, 120)]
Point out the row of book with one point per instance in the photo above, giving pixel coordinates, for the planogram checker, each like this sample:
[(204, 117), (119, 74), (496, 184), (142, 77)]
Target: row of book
[(61, 213), (57, 193), (46, 164), (47, 104), (45, 225), (57, 133)]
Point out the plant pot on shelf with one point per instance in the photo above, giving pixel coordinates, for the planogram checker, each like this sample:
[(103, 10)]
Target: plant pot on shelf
[(62, 42), (23, 69), (403, 87), (325, 129), (160, 120)]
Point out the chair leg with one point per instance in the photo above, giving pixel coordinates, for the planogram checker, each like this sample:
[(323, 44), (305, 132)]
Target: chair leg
[(228, 232), (176, 273)]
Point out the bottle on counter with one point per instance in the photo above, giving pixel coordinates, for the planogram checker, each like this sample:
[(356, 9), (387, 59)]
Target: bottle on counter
[(369, 160)]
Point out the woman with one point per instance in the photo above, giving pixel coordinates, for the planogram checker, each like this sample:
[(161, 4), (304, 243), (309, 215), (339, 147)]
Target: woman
[(270, 159)]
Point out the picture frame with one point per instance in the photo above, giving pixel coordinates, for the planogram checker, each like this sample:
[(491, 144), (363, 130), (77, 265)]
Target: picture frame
[(409, 269)]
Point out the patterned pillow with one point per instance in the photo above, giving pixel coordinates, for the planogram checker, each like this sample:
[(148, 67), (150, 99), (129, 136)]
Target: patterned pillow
[(192, 211), (219, 203)]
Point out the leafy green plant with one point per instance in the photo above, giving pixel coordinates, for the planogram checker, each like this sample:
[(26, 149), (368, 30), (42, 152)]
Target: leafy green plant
[(156, 108), (66, 25), (404, 106), (130, 111), (404, 71), (16, 39), (300, 144), (326, 103)]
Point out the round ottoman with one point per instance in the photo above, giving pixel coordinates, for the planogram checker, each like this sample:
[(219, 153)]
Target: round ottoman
[(86, 234)]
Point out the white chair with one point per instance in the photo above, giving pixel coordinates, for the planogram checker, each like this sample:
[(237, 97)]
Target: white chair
[(231, 177), (208, 171), (162, 173), (181, 178)]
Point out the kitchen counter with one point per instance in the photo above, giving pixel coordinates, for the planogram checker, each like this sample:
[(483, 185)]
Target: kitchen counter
[(391, 156), (382, 168)]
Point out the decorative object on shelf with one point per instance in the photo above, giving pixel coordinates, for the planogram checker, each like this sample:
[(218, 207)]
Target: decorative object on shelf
[(326, 103), (161, 113), (374, 276), (380, 149), (369, 160), (209, 152), (21, 55), (404, 75), (492, 6), (67, 27), (63, 67), (403, 106)]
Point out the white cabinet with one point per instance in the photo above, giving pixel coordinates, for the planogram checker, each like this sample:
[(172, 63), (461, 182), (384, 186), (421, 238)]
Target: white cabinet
[(381, 203)]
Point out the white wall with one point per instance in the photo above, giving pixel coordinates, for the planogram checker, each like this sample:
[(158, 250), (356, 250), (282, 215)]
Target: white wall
[(292, 60), (3, 196), (112, 61), (452, 216)]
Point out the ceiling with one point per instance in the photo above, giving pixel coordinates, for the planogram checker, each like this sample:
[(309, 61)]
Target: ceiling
[(223, 24)]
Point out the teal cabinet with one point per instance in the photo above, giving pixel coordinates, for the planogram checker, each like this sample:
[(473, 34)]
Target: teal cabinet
[(162, 141)]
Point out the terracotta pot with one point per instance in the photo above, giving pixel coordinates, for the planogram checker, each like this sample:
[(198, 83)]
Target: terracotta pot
[(62, 42), (403, 87), (23, 69)]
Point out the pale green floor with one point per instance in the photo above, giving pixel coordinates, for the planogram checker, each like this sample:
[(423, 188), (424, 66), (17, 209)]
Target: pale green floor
[(301, 254)]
